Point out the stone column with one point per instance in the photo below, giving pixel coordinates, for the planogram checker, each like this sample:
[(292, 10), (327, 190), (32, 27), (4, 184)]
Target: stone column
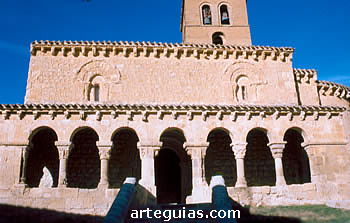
[(105, 154), (240, 149), (63, 150), (277, 153), (25, 155), (147, 154), (200, 189)]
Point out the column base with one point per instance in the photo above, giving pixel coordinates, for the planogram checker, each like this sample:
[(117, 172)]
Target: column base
[(149, 187), (62, 186), (103, 186), (20, 186), (241, 183), (281, 183), (200, 194)]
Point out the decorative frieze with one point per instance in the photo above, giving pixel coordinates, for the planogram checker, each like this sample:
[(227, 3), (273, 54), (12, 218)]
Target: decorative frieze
[(157, 50), (326, 88), (190, 112), (305, 75)]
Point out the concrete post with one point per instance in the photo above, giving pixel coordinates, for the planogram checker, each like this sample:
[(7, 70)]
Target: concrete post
[(277, 153), (240, 150)]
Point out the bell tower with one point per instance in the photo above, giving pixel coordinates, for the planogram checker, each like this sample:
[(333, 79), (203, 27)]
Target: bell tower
[(215, 22)]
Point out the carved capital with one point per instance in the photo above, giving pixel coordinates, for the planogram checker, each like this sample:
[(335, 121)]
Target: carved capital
[(105, 153), (277, 149), (63, 149), (239, 149), (104, 149), (196, 151), (148, 151)]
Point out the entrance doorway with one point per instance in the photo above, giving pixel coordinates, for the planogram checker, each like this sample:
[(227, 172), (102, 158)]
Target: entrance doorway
[(168, 177)]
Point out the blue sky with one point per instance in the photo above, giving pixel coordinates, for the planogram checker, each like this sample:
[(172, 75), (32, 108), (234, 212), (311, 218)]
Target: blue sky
[(318, 29)]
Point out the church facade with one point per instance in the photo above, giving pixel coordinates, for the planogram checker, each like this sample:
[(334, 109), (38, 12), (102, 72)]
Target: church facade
[(173, 116)]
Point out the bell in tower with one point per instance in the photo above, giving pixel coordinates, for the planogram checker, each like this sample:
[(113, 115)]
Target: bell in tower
[(215, 22)]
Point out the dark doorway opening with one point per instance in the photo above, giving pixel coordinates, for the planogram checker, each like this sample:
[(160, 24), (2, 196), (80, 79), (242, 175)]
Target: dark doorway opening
[(168, 177)]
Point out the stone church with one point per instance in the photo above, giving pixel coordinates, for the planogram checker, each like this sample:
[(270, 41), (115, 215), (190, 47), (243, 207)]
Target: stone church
[(173, 116)]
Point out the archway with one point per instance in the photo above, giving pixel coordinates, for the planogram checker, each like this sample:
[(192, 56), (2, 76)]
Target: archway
[(168, 177), (295, 160), (259, 164), (43, 153), (220, 159), (173, 169), (83, 168), (125, 158)]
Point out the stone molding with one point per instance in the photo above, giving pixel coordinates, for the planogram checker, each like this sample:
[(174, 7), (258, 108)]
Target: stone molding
[(219, 112), (305, 75), (157, 50), (327, 88)]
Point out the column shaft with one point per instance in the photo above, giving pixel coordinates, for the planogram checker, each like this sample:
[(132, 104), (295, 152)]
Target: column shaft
[(25, 154), (240, 149), (277, 153), (148, 153), (105, 153), (63, 151)]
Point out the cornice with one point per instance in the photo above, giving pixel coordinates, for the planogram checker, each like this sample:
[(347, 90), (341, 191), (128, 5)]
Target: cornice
[(327, 88), (305, 75), (148, 49), (220, 112)]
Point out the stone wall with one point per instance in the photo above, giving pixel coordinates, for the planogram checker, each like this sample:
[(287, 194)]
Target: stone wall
[(160, 75)]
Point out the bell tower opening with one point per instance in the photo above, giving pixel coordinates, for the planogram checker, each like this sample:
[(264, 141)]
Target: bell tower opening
[(200, 19)]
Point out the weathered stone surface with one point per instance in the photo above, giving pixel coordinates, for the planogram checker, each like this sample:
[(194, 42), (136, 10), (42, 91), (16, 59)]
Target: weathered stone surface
[(239, 111)]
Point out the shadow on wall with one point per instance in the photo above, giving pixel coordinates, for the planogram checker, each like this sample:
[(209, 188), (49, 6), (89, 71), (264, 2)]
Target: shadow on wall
[(13, 214)]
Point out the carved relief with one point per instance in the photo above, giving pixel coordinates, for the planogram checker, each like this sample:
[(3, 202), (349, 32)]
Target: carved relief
[(98, 78), (246, 81)]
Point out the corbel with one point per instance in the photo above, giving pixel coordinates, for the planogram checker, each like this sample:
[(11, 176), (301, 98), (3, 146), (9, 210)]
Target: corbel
[(6, 114), (114, 114), (220, 115), (190, 115), (85, 51), (145, 115), (234, 116), (160, 115), (55, 50), (204, 115), (316, 115), (130, 115), (276, 115), (82, 115), (52, 114), (174, 114), (67, 114), (249, 115), (303, 115), (290, 116), (98, 115), (36, 115), (20, 114), (65, 51), (262, 115), (76, 51)]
